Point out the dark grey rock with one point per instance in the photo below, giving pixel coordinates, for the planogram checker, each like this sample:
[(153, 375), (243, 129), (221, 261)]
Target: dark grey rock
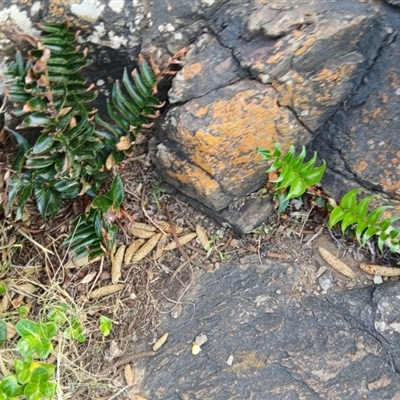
[(283, 347)]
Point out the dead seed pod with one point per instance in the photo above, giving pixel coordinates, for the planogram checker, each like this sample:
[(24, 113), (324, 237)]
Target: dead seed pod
[(167, 227), (160, 247), (380, 270), (105, 291), (160, 341), (335, 263), (141, 233), (131, 250), (146, 248), (129, 375), (203, 238), (182, 241), (116, 264), (144, 227)]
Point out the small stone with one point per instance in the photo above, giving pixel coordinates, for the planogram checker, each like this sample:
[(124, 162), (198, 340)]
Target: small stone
[(320, 271), (325, 281), (278, 291)]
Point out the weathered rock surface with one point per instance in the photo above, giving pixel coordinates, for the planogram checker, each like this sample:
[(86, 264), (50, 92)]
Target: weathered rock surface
[(209, 144), (322, 71), (284, 346), (359, 142)]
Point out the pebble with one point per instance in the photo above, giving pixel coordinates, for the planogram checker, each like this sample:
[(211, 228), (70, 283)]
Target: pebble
[(278, 291), (320, 271), (325, 281), (378, 280)]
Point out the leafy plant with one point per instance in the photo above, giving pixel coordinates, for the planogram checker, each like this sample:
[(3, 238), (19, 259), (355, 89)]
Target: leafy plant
[(366, 225), (76, 147), (294, 175), (105, 325), (32, 378)]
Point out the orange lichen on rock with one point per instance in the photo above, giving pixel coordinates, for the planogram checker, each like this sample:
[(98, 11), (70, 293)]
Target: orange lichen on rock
[(191, 70)]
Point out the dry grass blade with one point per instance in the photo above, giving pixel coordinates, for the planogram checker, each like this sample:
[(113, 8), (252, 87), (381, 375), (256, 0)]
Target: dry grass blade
[(203, 238), (182, 241), (146, 248), (141, 233), (105, 291), (335, 263), (131, 250), (380, 270), (116, 264), (160, 341)]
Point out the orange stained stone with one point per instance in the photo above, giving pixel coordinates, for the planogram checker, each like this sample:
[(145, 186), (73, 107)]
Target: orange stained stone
[(362, 166), (190, 71)]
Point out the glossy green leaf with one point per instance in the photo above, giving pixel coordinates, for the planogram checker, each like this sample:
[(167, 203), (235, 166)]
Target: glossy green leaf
[(27, 345), (122, 122), (129, 105), (315, 175), (26, 327), (116, 192), (36, 119), (296, 189), (54, 28), (23, 148), (147, 74), (37, 104), (43, 144), (349, 200), (102, 202), (139, 100), (9, 386), (55, 38)]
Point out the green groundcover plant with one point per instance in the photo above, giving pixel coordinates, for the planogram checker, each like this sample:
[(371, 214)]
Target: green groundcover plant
[(295, 176), (76, 147)]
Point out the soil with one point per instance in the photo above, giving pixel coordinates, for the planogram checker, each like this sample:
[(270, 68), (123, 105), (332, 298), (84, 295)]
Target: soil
[(33, 253)]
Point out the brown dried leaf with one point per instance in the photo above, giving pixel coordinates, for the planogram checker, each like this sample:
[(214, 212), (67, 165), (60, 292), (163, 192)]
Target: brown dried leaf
[(133, 396), (160, 341), (106, 290), (141, 233), (116, 264), (380, 270), (80, 262), (129, 375), (124, 143), (203, 238), (11, 331), (110, 162), (131, 250), (146, 248), (335, 263), (182, 241), (89, 277)]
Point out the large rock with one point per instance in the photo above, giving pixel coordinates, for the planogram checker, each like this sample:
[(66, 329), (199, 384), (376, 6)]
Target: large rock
[(360, 142), (209, 144), (283, 345), (309, 58)]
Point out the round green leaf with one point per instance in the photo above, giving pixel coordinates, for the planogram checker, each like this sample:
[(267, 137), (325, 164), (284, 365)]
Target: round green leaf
[(27, 345), (26, 327)]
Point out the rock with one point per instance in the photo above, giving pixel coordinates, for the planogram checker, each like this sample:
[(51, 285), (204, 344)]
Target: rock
[(210, 66), (325, 281), (394, 2), (208, 146), (365, 129), (281, 344)]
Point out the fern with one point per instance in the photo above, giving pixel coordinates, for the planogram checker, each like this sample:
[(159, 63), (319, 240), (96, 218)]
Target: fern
[(366, 225), (72, 155)]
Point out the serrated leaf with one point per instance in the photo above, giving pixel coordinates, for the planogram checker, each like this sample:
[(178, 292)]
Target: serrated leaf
[(349, 200), (296, 190), (315, 175), (336, 216)]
